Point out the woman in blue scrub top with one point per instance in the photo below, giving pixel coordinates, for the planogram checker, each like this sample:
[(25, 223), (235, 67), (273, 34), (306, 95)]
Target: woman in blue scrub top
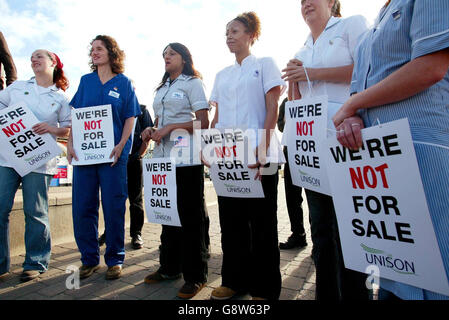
[(401, 71), (105, 85)]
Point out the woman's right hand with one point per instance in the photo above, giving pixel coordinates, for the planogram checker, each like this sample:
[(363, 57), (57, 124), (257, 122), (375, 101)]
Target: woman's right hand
[(146, 134), (294, 71), (71, 154)]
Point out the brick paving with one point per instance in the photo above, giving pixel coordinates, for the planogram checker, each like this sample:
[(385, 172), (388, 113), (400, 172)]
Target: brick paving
[(298, 272)]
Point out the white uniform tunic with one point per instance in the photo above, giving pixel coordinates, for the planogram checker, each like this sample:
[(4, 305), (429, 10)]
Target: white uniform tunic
[(239, 91), (333, 48), (49, 105)]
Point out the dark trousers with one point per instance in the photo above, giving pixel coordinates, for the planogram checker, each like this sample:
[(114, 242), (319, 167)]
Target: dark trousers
[(333, 280), (293, 197), (135, 184), (183, 248), (249, 240)]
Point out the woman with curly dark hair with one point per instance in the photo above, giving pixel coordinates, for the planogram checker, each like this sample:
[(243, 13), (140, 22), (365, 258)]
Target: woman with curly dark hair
[(105, 85)]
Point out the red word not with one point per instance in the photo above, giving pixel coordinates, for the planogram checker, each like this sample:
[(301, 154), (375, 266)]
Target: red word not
[(159, 179), (304, 128), (14, 128), (368, 177), (225, 151), (92, 125)]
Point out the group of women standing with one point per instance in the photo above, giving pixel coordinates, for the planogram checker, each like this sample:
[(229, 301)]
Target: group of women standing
[(366, 76)]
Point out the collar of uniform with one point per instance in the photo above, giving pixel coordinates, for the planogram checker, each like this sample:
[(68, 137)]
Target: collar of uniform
[(181, 77), (330, 23), (51, 88), (248, 60)]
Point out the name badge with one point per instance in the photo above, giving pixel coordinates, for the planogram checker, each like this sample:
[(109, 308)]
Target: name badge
[(114, 94), (178, 95)]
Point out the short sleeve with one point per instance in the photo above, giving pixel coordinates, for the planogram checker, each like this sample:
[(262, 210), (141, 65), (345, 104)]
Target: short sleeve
[(65, 113), (214, 94), (429, 27), (271, 75), (197, 97), (356, 26), (132, 108)]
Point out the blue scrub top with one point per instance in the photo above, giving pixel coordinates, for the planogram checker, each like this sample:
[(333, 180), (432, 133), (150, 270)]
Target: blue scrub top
[(118, 92)]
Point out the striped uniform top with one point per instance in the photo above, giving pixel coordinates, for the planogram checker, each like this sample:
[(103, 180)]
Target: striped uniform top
[(405, 30)]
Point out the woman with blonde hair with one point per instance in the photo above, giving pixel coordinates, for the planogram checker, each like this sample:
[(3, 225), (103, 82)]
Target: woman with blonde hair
[(326, 61)]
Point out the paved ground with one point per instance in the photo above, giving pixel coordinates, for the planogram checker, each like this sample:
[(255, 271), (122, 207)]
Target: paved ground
[(298, 273)]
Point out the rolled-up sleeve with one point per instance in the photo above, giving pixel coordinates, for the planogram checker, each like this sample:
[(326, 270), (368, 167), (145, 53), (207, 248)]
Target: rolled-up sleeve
[(197, 97), (429, 28), (271, 75)]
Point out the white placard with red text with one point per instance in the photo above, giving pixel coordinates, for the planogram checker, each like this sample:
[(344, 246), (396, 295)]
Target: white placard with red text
[(306, 134), (159, 179), (381, 208), (93, 135), (229, 151), (23, 149)]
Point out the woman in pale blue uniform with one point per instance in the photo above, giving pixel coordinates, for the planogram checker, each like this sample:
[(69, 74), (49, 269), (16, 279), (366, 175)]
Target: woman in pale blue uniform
[(401, 71)]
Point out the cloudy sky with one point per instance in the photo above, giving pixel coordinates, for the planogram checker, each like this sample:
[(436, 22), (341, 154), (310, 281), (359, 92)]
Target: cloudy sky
[(143, 28)]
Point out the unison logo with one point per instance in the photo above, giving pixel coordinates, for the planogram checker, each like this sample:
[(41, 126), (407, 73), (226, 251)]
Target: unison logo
[(235, 189), (93, 156), (305, 177), (37, 158), (386, 260)]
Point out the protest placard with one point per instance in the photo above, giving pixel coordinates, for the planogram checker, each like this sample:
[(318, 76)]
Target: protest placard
[(229, 151), (382, 213), (159, 178), (306, 133), (23, 149), (93, 135)]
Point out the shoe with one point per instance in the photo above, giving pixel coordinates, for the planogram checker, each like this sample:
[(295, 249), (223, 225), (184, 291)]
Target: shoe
[(86, 271), (114, 272), (137, 242), (222, 293), (28, 275), (190, 289), (102, 239), (294, 242), (156, 277)]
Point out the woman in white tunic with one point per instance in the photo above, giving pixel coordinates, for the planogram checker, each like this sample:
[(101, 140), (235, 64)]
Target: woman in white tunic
[(246, 95), (327, 57)]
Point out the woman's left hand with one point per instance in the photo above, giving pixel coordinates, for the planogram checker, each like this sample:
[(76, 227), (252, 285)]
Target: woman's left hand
[(42, 128), (158, 134), (349, 132), (116, 153)]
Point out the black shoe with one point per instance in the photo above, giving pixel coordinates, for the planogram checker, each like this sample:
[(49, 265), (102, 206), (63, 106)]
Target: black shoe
[(102, 239), (137, 242), (294, 242)]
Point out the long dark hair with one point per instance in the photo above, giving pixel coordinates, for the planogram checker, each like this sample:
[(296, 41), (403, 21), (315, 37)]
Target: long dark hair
[(188, 70)]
